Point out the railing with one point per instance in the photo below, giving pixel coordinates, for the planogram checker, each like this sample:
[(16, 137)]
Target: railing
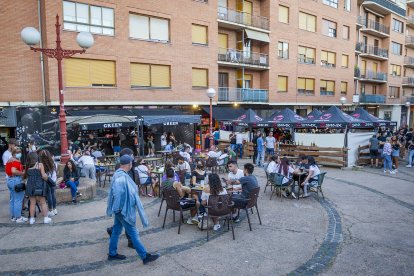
[(241, 57), (371, 75), (410, 19), (408, 81), (357, 72), (303, 92), (243, 18), (306, 60), (371, 24), (371, 49), (391, 6), (367, 98), (409, 99), (409, 60), (327, 93), (227, 94), (409, 39)]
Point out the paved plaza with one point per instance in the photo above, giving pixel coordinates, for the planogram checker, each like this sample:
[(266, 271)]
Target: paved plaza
[(363, 227)]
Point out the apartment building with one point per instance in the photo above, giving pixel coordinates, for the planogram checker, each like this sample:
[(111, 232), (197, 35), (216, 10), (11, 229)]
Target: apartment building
[(263, 54)]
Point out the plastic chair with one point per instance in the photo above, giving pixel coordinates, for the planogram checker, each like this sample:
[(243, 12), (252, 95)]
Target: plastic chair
[(321, 178), (277, 181), (172, 198), (252, 202)]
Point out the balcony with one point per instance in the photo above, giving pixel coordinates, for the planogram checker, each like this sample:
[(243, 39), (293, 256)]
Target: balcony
[(409, 62), (232, 19), (409, 99), (410, 3), (383, 7), (236, 58), (409, 41), (370, 98), (408, 82), (243, 95), (370, 51), (374, 28), (370, 76), (410, 21)]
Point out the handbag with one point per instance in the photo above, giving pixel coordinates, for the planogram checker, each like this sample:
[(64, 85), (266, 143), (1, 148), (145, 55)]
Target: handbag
[(20, 187), (50, 182)]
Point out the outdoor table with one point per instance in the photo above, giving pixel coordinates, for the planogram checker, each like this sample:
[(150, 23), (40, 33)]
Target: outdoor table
[(159, 173), (152, 160), (166, 153), (101, 168), (298, 176), (198, 189)]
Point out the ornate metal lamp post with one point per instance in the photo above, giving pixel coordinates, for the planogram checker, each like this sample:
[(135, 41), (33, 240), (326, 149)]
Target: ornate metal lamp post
[(211, 92)]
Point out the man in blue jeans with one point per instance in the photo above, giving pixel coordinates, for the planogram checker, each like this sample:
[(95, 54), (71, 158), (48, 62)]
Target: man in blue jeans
[(123, 201)]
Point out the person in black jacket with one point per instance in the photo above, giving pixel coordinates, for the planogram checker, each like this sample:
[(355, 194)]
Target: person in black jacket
[(71, 179)]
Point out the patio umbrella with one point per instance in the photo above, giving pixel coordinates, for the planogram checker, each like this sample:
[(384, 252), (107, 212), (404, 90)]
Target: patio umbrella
[(250, 118), (362, 114), (314, 114), (286, 118), (333, 118)]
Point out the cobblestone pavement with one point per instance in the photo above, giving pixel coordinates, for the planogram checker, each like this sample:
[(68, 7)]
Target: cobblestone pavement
[(363, 227)]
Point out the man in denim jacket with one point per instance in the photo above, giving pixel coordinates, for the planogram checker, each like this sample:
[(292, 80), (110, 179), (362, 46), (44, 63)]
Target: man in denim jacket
[(123, 201)]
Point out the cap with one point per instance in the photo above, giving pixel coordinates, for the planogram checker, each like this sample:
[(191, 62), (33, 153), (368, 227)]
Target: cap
[(125, 159)]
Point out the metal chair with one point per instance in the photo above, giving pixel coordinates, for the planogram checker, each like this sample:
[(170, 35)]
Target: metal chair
[(172, 198), (109, 172), (219, 206), (321, 177), (277, 181), (252, 202), (211, 163), (223, 167)]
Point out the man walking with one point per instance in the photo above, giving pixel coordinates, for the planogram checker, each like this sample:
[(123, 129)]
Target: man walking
[(239, 144), (123, 201), (270, 144), (410, 149), (260, 151)]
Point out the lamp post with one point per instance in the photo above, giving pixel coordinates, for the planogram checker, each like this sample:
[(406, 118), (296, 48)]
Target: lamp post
[(408, 105), (343, 101), (211, 92), (31, 37)]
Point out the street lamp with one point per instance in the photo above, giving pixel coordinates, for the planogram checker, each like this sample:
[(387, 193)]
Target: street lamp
[(408, 105), (343, 101), (31, 37), (211, 92)]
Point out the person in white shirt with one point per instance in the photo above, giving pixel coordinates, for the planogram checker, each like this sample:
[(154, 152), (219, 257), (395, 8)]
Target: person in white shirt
[(239, 144), (234, 175), (222, 157), (88, 165), (286, 170), (273, 166), (8, 153), (270, 144), (184, 169), (144, 175), (312, 179), (96, 153), (186, 154), (214, 152), (163, 140)]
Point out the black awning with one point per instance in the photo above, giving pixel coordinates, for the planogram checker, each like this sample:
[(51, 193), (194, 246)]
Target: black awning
[(171, 120), (225, 113), (102, 121), (8, 117)]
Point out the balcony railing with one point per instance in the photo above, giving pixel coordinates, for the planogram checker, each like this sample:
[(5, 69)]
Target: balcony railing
[(327, 93), (243, 18), (409, 39), (409, 60), (371, 75), (371, 50), (303, 92), (367, 98), (409, 99), (409, 81), (227, 94), (390, 6), (374, 25), (410, 19), (241, 57)]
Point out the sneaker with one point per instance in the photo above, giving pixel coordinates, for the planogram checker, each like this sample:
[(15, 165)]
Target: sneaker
[(32, 220), (392, 172), (190, 221), (313, 189), (284, 194), (47, 220), (55, 211), (409, 166), (78, 194), (13, 219), (50, 214), (117, 257), (21, 220), (396, 170), (74, 201), (194, 220), (216, 227), (293, 195), (150, 258), (385, 172), (236, 219)]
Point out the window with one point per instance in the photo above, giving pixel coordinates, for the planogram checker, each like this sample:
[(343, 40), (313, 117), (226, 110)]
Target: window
[(149, 28), (282, 83), (150, 75), (344, 87), (283, 14), (306, 86), (87, 18), (387, 115), (397, 25), (199, 34), (328, 59), (89, 72), (395, 70), (306, 55), (327, 88), (283, 51), (223, 41), (200, 78), (345, 61), (345, 32), (328, 28), (396, 48), (332, 3), (394, 92), (347, 5), (307, 22)]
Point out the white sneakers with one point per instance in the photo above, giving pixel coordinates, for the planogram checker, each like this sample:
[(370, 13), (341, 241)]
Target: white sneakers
[(55, 211), (47, 220), (216, 227), (50, 213), (32, 220), (192, 220), (409, 166), (21, 220)]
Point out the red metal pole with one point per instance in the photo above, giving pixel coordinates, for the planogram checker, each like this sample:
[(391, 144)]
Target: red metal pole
[(64, 156), (211, 123)]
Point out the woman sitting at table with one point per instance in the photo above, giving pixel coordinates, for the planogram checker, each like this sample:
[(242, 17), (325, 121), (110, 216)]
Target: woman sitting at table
[(312, 179), (214, 188), (198, 176), (286, 170), (184, 193), (273, 165), (71, 179), (145, 177), (170, 165)]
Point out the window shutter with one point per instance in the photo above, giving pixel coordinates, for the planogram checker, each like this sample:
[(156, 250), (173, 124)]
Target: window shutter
[(344, 60), (200, 78), (77, 72), (138, 26), (102, 72), (363, 66), (302, 21), (301, 83), (344, 86), (301, 50), (199, 34), (160, 76), (222, 41), (331, 58), (140, 75), (330, 86), (283, 14), (323, 84), (311, 23), (310, 53), (282, 83), (159, 29), (310, 84), (375, 67), (324, 56)]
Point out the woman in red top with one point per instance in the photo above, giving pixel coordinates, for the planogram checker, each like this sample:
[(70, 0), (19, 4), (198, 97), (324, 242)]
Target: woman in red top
[(14, 171)]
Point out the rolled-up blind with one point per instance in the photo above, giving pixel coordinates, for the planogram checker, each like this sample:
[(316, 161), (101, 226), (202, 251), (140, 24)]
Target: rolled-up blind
[(282, 83), (77, 72), (200, 77), (199, 34), (140, 75), (102, 72), (160, 76)]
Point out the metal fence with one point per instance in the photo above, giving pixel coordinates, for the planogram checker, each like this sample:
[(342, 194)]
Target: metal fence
[(244, 18), (243, 57), (227, 94)]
